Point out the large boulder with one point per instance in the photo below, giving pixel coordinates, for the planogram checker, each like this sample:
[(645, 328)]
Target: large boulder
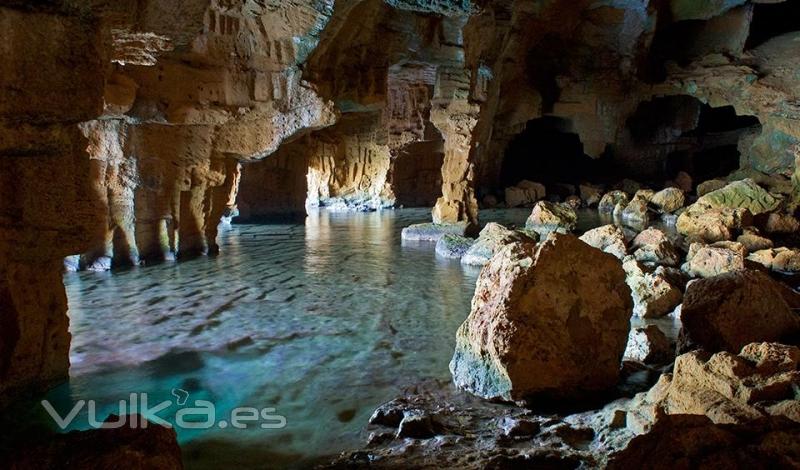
[(668, 200), (701, 223), (653, 294), (549, 217), (549, 321), (678, 441), (713, 260), (590, 195), (744, 194), (709, 186), (780, 223), (653, 246), (609, 238), (493, 237), (753, 240), (636, 210), (718, 214), (729, 311)]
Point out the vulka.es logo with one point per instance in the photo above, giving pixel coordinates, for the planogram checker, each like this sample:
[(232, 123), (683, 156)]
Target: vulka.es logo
[(202, 415)]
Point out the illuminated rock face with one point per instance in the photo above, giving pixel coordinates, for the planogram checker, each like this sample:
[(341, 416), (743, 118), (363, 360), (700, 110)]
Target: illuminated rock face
[(530, 334)]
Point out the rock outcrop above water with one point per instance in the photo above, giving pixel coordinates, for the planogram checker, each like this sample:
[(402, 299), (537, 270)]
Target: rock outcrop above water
[(548, 217), (539, 315)]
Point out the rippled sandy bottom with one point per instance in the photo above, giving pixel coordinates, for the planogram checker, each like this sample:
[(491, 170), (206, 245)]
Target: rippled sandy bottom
[(322, 320)]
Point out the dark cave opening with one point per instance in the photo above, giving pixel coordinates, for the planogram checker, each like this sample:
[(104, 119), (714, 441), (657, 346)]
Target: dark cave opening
[(771, 20), (686, 40), (549, 153), (714, 149), (417, 174)]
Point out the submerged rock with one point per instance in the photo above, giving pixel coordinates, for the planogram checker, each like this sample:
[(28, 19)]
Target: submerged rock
[(539, 316), (609, 238), (548, 217), (453, 246), (493, 237), (433, 232), (727, 312)]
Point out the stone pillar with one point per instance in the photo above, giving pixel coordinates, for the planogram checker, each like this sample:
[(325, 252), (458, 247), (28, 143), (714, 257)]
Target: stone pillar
[(113, 180), (51, 79), (221, 202), (456, 117)]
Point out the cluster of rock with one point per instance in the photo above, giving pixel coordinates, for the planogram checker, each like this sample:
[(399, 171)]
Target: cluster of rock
[(548, 303)]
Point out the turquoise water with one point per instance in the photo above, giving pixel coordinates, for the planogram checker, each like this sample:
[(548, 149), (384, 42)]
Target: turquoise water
[(319, 321)]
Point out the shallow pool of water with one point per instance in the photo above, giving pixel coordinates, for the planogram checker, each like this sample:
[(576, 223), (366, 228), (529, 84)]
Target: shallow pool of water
[(318, 321)]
